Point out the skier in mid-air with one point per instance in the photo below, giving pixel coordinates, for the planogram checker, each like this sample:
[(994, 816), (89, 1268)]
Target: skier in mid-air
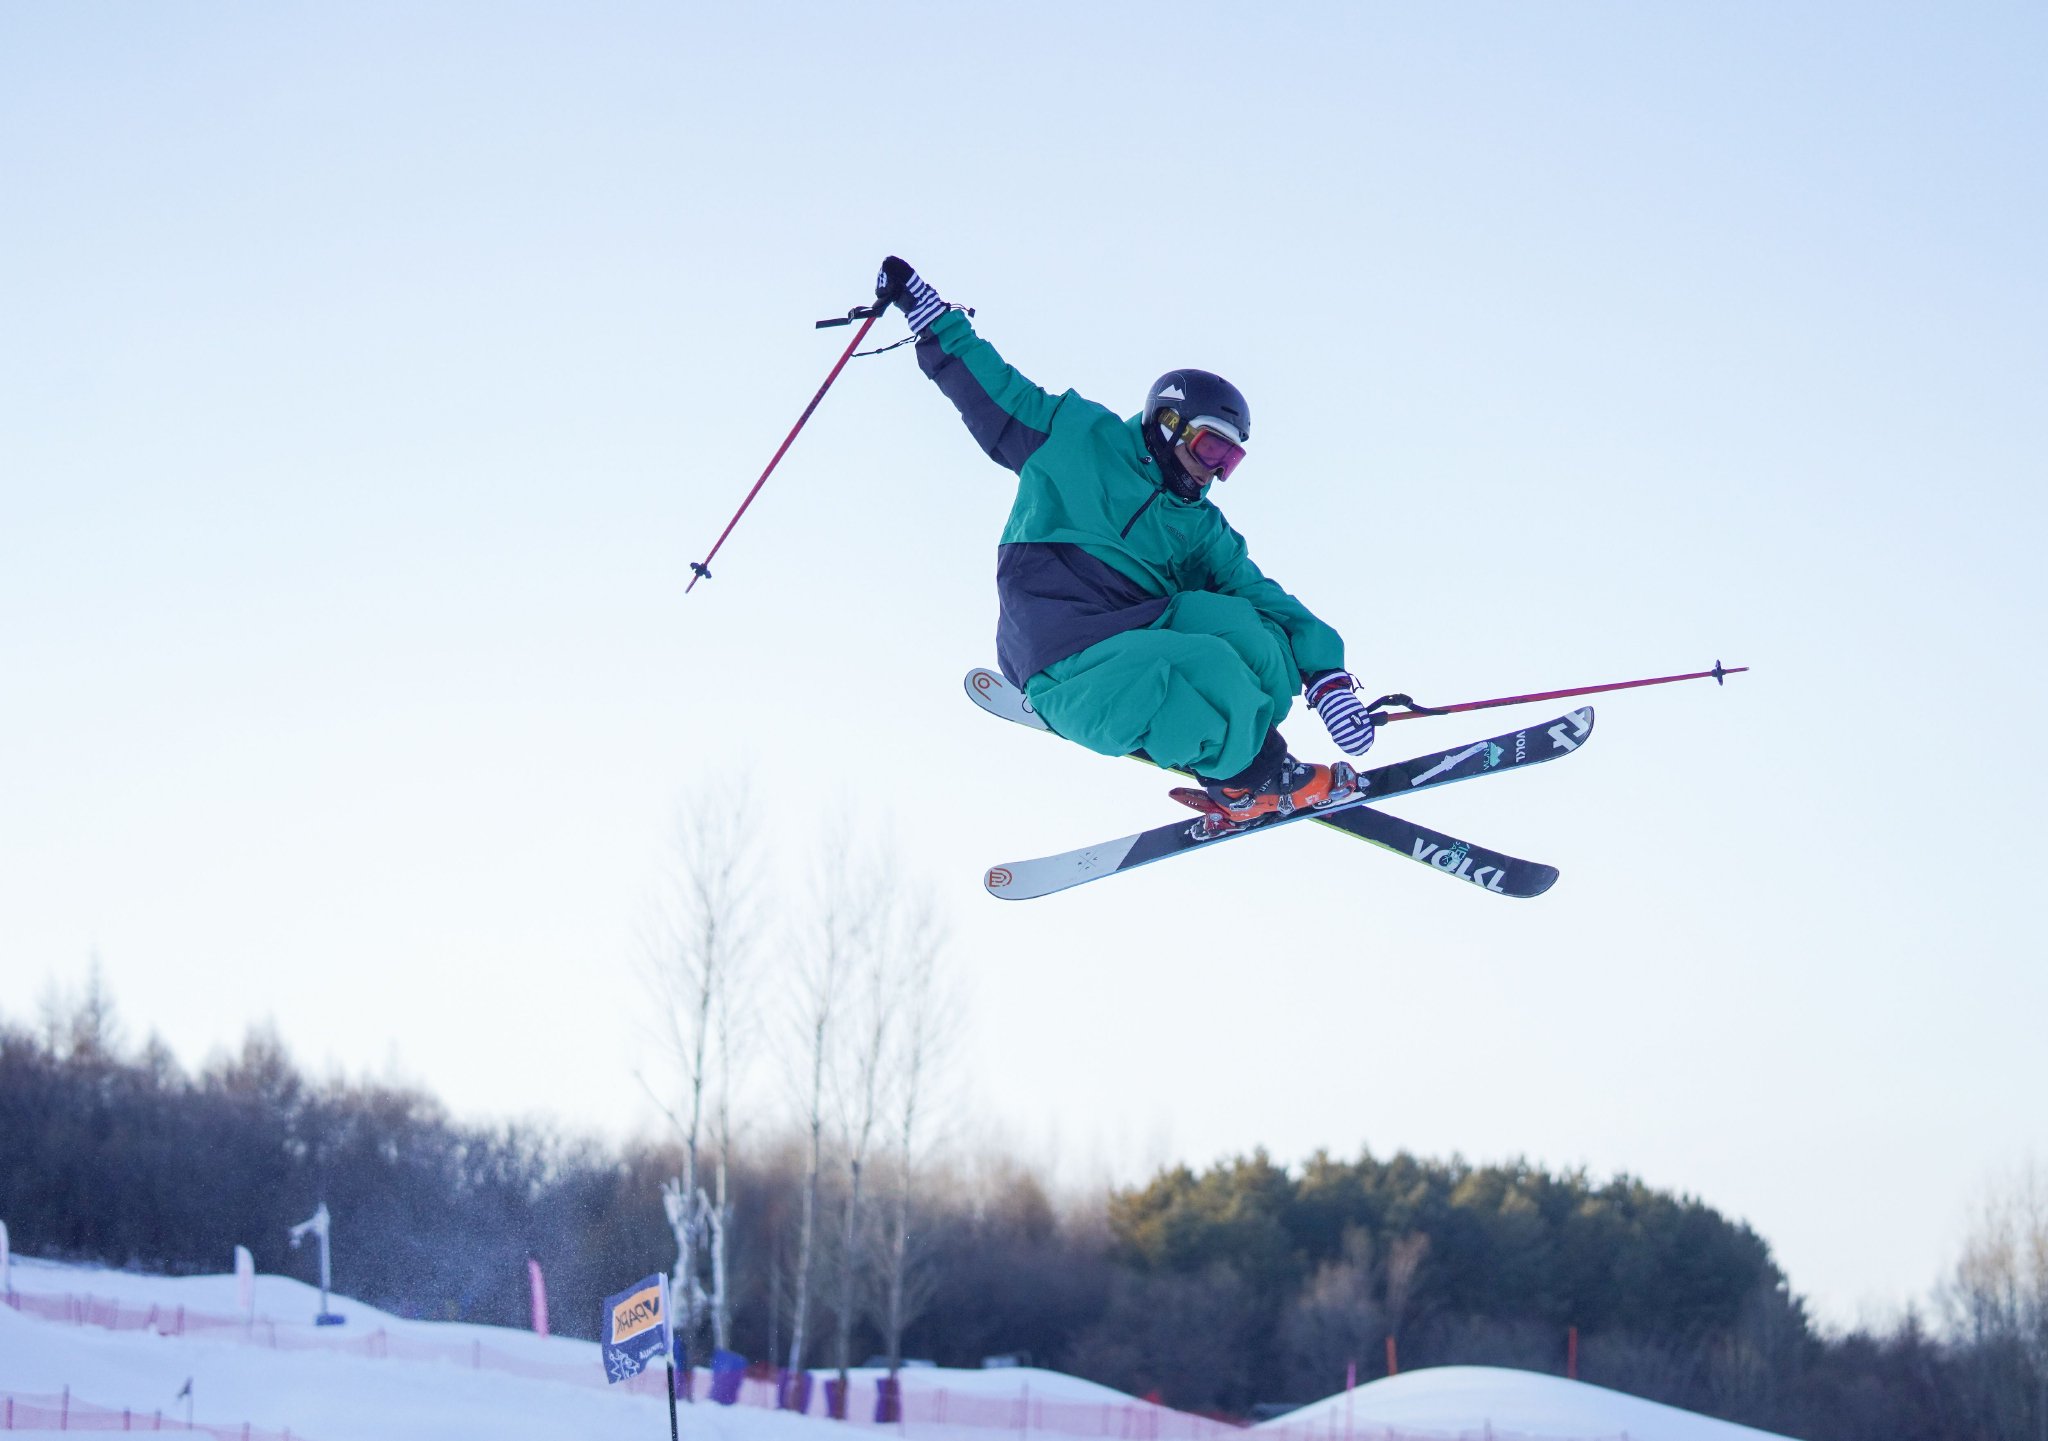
[(1131, 614)]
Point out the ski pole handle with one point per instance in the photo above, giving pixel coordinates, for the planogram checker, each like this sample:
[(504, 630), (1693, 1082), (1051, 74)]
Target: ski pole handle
[(859, 312)]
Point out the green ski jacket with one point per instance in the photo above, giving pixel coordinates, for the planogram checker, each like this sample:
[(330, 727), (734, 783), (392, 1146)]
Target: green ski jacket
[(1096, 543)]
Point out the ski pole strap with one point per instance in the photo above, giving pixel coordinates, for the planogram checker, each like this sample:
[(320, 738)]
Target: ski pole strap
[(885, 349), (1398, 698), (910, 339)]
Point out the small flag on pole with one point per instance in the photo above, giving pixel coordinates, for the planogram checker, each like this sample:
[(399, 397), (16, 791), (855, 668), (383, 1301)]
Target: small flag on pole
[(184, 1390), (539, 1286), (245, 1281), (634, 1330)]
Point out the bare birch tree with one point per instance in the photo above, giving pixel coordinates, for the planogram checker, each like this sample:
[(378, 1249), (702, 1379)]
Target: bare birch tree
[(732, 1020), (703, 943), (1998, 1300), (821, 979), (927, 1020), (873, 987)]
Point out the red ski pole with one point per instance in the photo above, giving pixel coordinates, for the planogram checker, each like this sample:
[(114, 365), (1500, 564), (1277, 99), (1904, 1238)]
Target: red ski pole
[(867, 315), (1415, 711)]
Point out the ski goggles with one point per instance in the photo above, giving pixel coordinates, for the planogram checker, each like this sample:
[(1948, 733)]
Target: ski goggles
[(1212, 448)]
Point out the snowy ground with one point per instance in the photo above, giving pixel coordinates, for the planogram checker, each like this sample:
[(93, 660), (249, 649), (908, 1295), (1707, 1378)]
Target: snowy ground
[(429, 1381), (1466, 1400)]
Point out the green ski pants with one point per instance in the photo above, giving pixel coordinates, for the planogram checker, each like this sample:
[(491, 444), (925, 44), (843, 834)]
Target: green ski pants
[(1200, 688)]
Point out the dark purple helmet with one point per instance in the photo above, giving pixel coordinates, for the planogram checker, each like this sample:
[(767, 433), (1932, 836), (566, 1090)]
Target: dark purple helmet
[(1177, 401)]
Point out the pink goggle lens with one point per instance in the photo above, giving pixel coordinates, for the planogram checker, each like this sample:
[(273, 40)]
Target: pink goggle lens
[(1215, 450)]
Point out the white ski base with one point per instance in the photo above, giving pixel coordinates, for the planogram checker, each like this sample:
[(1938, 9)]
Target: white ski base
[(1028, 880), (997, 696)]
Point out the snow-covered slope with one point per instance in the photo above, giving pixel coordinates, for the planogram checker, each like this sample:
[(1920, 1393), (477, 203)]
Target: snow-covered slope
[(1467, 1400), (383, 1378)]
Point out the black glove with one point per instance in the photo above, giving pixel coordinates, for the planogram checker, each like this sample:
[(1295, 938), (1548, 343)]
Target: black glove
[(900, 286)]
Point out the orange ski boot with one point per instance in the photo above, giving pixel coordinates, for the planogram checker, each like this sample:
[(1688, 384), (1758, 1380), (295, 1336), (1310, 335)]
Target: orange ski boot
[(1296, 786)]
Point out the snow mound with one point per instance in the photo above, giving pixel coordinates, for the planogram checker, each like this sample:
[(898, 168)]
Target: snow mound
[(1481, 1401)]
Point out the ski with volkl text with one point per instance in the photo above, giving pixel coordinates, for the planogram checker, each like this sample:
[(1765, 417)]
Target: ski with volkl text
[(1489, 870), (1043, 875)]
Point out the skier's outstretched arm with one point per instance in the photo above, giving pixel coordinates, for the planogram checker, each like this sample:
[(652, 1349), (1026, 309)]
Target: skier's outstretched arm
[(1007, 415)]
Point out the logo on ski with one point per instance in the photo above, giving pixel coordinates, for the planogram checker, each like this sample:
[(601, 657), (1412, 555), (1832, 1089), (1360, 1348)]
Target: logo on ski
[(1451, 762), (994, 694), (1456, 860), (1581, 721), (999, 877)]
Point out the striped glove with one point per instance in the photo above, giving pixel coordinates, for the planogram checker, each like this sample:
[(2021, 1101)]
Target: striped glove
[(901, 286), (1333, 693)]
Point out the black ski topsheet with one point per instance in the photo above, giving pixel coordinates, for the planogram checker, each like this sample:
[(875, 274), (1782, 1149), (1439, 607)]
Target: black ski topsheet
[(1026, 880), (1503, 874)]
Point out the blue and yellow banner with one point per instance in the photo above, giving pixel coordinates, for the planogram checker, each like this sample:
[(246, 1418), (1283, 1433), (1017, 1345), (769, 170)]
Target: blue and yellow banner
[(635, 1328)]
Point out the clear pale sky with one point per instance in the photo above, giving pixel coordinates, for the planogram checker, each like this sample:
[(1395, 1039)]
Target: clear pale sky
[(372, 373)]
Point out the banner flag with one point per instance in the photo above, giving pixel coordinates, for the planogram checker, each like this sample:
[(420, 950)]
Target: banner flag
[(634, 1330), (245, 1280), (539, 1286)]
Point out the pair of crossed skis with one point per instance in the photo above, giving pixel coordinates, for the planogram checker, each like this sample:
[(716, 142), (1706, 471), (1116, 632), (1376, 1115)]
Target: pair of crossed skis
[(1504, 875)]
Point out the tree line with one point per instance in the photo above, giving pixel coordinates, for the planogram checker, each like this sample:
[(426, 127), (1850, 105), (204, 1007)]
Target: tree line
[(1245, 1283)]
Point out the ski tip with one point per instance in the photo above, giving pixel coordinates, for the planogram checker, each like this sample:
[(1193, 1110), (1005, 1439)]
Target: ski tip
[(1567, 733), (991, 691), (1537, 880)]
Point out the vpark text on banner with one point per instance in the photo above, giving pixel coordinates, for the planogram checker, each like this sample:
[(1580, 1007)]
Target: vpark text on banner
[(635, 1327)]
